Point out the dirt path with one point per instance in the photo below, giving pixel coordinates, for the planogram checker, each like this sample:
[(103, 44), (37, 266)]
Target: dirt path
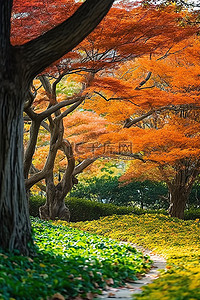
[(126, 292)]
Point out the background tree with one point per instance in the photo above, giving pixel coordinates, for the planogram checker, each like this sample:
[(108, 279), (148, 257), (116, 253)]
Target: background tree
[(162, 123), (48, 161), (145, 194)]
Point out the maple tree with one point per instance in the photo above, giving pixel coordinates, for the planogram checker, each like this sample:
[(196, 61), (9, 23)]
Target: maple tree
[(137, 33), (20, 63), (162, 121)]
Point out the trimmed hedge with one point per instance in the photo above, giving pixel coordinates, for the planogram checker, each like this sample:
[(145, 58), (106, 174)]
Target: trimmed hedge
[(34, 203), (192, 214), (87, 210)]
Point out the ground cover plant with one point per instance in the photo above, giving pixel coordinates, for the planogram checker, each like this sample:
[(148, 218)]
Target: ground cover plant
[(68, 261), (177, 240)]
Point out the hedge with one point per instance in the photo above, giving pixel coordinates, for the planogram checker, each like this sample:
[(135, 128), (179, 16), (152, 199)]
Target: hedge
[(84, 210), (87, 210)]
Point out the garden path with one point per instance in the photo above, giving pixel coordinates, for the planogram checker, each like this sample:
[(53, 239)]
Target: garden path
[(126, 292)]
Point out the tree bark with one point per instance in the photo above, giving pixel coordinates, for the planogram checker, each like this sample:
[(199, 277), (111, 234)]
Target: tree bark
[(49, 47), (178, 199), (180, 187), (15, 229), (55, 207), (34, 130), (15, 226)]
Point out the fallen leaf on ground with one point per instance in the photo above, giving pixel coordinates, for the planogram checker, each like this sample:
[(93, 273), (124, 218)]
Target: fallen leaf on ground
[(89, 296), (129, 286), (109, 281), (111, 295), (58, 296)]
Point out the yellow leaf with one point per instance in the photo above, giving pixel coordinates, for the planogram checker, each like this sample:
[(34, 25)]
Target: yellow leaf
[(42, 265)]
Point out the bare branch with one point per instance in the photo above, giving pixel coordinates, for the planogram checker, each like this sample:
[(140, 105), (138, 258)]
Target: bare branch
[(130, 122), (144, 81), (30, 98), (59, 105), (46, 84), (84, 164), (30, 150), (45, 125), (30, 113), (69, 110), (117, 98)]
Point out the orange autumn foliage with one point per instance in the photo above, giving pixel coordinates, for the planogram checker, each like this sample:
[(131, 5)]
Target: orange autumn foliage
[(129, 30), (103, 68), (162, 121)]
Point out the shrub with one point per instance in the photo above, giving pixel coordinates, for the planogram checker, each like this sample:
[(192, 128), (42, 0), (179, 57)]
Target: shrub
[(35, 202), (192, 214), (85, 210)]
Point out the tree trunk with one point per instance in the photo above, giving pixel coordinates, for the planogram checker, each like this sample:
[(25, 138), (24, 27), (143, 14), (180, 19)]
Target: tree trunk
[(178, 200), (181, 186), (15, 229), (54, 207), (15, 226)]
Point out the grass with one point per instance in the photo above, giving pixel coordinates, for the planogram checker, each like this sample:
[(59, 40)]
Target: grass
[(70, 262), (177, 240)]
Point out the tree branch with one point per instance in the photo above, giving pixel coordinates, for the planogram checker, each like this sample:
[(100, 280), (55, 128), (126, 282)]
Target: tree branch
[(51, 46), (45, 126), (144, 81), (30, 150), (84, 164), (131, 122), (69, 110), (117, 98), (59, 105)]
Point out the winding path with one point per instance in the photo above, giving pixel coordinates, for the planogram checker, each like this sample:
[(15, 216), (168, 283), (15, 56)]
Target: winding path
[(126, 292)]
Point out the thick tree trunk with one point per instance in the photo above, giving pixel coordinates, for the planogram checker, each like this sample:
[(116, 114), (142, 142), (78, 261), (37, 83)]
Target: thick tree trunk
[(15, 229), (178, 200), (15, 226), (180, 187), (55, 207)]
